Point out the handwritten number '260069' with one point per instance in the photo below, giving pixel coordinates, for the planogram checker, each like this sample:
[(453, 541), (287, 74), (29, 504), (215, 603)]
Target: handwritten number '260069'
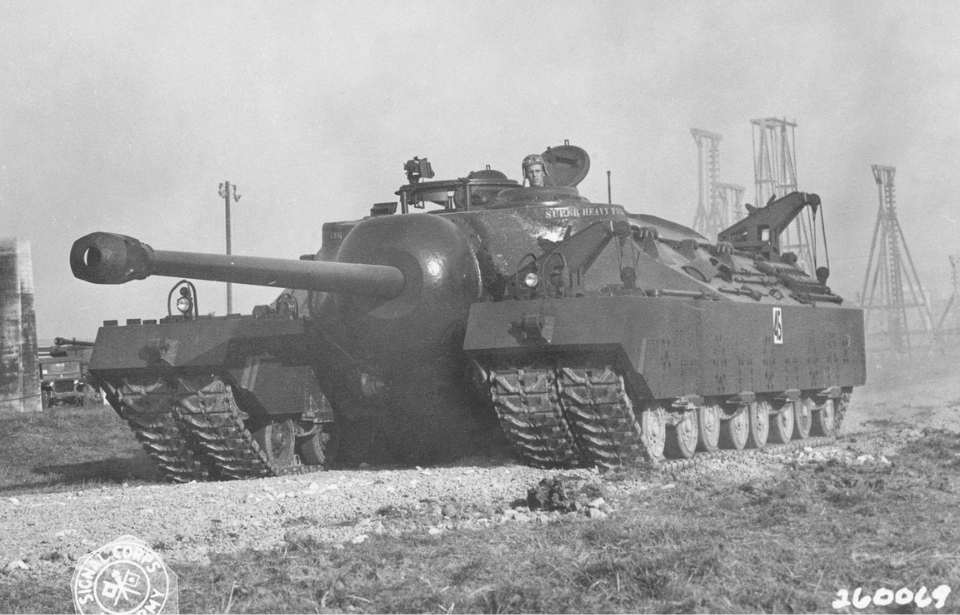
[(884, 596)]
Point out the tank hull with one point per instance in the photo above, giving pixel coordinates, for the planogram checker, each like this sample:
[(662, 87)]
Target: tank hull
[(678, 347)]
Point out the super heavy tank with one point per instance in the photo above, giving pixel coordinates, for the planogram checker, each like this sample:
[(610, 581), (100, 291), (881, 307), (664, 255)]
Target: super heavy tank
[(591, 335)]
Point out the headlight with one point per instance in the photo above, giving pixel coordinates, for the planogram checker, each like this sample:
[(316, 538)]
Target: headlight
[(531, 280), (184, 305)]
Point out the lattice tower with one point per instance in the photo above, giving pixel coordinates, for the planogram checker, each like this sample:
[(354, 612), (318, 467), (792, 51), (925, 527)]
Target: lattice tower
[(892, 271), (775, 173), (731, 199), (708, 220), (954, 297)]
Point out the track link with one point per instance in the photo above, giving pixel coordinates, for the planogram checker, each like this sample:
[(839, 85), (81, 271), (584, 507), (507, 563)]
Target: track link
[(601, 416), (527, 405), (208, 411), (193, 429), (149, 407), (678, 465)]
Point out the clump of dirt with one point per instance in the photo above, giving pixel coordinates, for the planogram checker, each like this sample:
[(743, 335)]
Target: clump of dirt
[(564, 494)]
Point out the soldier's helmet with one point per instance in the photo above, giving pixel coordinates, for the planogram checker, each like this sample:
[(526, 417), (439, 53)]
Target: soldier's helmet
[(531, 160)]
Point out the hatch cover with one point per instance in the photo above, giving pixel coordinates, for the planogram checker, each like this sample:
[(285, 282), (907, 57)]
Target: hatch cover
[(567, 164)]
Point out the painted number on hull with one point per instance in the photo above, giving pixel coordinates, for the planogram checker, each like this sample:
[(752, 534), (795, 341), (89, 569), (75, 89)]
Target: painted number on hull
[(777, 326)]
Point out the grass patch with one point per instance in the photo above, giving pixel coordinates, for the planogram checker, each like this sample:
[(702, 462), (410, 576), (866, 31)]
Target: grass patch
[(65, 448)]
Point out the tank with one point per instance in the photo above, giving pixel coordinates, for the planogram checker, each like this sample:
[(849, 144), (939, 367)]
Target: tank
[(581, 334)]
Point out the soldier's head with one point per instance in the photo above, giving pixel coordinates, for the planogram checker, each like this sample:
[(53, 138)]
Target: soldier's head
[(534, 170)]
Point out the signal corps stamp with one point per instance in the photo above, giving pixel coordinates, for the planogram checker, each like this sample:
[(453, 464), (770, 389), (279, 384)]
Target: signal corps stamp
[(124, 576)]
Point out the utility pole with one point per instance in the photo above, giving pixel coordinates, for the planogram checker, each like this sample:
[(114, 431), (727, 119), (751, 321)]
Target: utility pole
[(229, 191)]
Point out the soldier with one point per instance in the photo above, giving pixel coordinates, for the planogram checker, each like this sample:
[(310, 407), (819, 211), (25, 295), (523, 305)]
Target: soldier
[(535, 171)]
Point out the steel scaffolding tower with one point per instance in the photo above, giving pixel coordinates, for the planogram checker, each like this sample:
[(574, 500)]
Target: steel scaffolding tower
[(708, 220), (775, 172), (891, 270), (731, 197), (954, 297)]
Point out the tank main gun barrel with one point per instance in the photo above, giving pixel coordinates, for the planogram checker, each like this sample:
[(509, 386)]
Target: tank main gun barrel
[(108, 258)]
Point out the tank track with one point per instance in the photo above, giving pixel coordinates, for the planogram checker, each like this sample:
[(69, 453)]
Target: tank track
[(601, 415), (193, 429), (679, 465), (527, 405), (579, 414), (149, 408)]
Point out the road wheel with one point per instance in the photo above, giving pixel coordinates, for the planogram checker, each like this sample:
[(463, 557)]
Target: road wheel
[(708, 428), (824, 420), (759, 424), (781, 424), (803, 419), (734, 431), (653, 430), (277, 440), (681, 439), (315, 450)]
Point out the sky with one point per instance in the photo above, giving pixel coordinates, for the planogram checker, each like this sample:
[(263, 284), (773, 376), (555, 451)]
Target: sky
[(126, 116)]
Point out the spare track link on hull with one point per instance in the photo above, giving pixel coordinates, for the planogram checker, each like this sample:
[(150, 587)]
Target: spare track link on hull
[(194, 430), (567, 416)]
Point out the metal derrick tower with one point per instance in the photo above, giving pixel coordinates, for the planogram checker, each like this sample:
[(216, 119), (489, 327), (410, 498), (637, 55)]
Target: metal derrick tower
[(954, 297), (708, 220), (775, 173), (719, 204), (891, 269), (731, 197)]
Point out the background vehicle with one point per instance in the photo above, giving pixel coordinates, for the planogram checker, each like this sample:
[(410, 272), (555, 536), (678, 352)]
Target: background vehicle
[(64, 376)]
